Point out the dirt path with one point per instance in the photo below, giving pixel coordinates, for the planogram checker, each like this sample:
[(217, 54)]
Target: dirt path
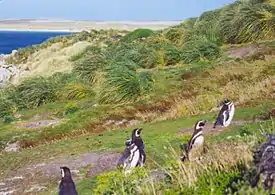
[(208, 129), (30, 179)]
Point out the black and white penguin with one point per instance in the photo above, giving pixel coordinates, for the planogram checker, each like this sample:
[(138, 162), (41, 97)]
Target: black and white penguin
[(125, 154), (226, 114), (136, 138), (264, 159), (66, 186), (195, 144), (130, 158)]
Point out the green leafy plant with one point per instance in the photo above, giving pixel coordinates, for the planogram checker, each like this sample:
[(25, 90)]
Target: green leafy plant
[(116, 182), (71, 108)]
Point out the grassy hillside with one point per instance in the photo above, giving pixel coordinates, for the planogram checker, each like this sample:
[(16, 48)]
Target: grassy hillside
[(94, 87)]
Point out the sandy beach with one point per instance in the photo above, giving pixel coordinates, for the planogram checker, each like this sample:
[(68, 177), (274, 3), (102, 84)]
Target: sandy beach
[(76, 26)]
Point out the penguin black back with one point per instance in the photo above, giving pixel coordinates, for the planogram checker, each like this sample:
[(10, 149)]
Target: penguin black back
[(136, 138), (197, 132), (66, 186), (126, 153), (196, 139)]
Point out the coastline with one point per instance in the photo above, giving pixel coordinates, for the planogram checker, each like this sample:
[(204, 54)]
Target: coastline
[(38, 30), (78, 26)]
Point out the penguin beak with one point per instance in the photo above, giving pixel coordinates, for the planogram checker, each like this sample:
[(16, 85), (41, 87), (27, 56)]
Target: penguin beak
[(139, 130)]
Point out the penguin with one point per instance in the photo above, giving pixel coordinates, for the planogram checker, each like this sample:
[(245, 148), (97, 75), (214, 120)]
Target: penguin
[(130, 158), (136, 138), (66, 186), (264, 160), (195, 144), (226, 114), (125, 154)]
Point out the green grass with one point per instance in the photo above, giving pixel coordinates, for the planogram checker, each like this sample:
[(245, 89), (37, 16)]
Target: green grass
[(155, 135), (172, 76)]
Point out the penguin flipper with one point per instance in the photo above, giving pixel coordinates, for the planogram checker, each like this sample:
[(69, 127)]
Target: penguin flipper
[(121, 161)]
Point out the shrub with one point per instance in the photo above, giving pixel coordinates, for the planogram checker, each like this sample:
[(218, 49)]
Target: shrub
[(8, 119), (61, 79), (7, 107), (77, 91), (176, 35), (173, 54), (124, 83), (216, 182), (86, 66), (142, 55), (247, 21), (116, 182), (168, 54), (137, 34), (35, 92), (200, 49), (71, 108)]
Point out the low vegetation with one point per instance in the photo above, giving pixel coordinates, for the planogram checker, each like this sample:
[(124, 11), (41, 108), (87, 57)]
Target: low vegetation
[(161, 80)]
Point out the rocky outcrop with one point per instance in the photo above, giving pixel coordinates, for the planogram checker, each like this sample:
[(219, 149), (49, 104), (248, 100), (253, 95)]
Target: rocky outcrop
[(7, 71)]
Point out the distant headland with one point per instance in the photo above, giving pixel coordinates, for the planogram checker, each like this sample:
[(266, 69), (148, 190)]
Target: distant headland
[(79, 25)]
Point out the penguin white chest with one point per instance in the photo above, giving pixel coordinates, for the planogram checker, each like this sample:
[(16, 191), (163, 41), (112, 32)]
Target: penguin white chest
[(198, 141), (133, 158), (231, 112)]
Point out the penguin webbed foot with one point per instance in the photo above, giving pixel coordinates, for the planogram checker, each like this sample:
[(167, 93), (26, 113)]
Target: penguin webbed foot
[(183, 147)]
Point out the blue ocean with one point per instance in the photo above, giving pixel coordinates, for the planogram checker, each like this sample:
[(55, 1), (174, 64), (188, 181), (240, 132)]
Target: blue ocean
[(10, 40)]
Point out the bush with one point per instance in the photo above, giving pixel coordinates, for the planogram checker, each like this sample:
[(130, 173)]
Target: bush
[(216, 182), (176, 35), (168, 54), (35, 92), (124, 83), (200, 49), (86, 66), (116, 182), (137, 34), (142, 55), (71, 108), (7, 107), (173, 55), (77, 91), (8, 119)]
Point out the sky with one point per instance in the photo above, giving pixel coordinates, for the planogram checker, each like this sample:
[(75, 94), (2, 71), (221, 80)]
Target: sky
[(111, 10)]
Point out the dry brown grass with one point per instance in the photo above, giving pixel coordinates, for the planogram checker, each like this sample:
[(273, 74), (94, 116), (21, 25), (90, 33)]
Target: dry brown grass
[(221, 157), (242, 82), (50, 60)]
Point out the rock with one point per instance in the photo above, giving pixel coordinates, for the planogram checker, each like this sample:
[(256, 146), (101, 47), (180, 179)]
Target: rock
[(7, 71), (36, 188), (13, 52), (17, 116), (9, 192), (14, 147)]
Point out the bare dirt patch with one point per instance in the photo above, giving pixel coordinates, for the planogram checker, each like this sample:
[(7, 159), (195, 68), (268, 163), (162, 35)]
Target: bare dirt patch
[(208, 129), (30, 179), (38, 124)]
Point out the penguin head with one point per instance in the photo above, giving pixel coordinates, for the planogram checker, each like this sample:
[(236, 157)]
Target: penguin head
[(65, 172), (200, 124), (128, 143), (136, 133), (226, 101)]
